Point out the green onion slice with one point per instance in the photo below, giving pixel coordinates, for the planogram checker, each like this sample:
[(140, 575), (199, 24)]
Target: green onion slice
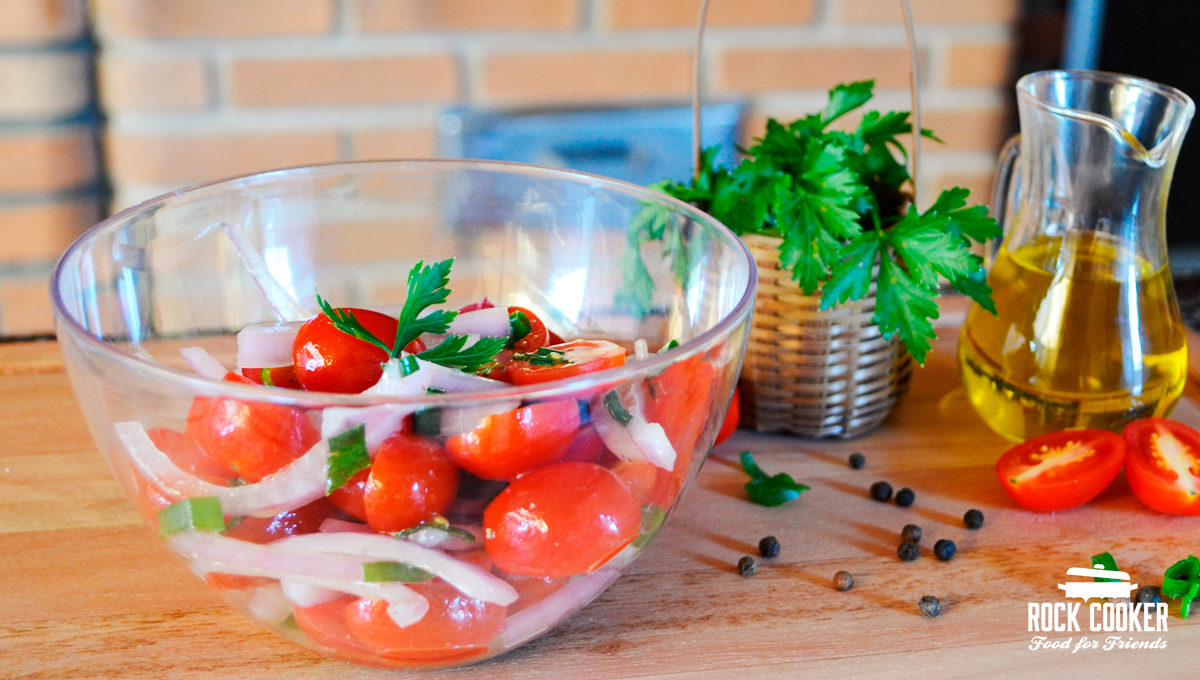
[(202, 513), (347, 457)]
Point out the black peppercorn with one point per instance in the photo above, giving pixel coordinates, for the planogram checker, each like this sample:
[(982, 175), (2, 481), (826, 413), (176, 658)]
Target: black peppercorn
[(1148, 595), (881, 491), (857, 460), (908, 551), (843, 581), (910, 532), (944, 549), (905, 497), (973, 519), (747, 566), (930, 606), (769, 546)]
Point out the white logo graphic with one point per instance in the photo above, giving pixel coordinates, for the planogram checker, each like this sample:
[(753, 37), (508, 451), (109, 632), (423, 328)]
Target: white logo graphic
[(1085, 590)]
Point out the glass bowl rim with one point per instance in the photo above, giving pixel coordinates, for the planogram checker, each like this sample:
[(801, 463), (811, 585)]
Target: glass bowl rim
[(65, 323)]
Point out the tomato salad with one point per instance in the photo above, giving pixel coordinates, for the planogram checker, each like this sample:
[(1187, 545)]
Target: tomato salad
[(394, 534)]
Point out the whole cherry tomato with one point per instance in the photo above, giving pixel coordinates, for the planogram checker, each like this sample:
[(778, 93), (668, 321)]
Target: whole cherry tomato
[(253, 439), (506, 444), (328, 360), (560, 520), (411, 480)]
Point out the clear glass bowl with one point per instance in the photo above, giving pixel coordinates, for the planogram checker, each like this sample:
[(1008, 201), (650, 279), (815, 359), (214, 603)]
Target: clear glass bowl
[(166, 275)]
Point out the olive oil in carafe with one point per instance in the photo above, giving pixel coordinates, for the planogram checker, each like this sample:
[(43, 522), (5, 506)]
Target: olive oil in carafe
[(1086, 334)]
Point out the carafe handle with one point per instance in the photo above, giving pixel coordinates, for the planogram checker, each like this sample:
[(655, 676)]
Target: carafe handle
[(1000, 187)]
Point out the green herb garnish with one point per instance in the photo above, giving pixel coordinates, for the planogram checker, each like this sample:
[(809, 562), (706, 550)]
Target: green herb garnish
[(836, 198), (769, 490), (394, 571), (519, 326), (612, 403), (347, 457), (543, 356), (426, 287), (1182, 580), (439, 523), (1107, 562), (201, 513)]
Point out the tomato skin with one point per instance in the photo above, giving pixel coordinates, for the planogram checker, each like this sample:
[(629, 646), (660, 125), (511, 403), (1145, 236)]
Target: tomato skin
[(679, 399), (305, 519), (583, 356), (325, 625), (279, 376), (328, 360), (506, 444), (1090, 461), (252, 439), (730, 424), (560, 520), (1168, 483), (349, 497), (188, 456), (411, 480), (455, 627), (537, 336)]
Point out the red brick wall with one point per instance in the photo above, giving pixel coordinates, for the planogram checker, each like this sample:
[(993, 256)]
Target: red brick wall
[(197, 90)]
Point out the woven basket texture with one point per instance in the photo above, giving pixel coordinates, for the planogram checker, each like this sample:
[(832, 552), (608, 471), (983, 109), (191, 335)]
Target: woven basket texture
[(815, 373)]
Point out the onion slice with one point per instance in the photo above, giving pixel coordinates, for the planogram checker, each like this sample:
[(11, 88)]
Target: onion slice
[(544, 615), (267, 345), (300, 482), (278, 297), (203, 363), (469, 579), (453, 380), (489, 322), (637, 439), (208, 552)]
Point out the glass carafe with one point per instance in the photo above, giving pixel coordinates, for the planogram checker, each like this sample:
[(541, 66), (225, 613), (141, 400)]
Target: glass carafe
[(1086, 330)]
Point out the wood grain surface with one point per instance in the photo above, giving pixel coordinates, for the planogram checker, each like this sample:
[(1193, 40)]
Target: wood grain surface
[(87, 592)]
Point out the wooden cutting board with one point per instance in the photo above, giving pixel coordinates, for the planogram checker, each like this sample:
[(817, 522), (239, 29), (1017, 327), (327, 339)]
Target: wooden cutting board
[(87, 592)]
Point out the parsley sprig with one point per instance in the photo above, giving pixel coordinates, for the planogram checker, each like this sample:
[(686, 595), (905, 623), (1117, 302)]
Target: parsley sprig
[(836, 198), (426, 288)]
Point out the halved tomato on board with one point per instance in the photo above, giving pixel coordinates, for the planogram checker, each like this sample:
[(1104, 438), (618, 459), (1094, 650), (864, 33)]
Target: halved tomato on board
[(1162, 465), (1061, 470)]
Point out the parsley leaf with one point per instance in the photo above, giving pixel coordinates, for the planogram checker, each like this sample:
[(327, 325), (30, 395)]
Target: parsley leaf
[(450, 352), (836, 199)]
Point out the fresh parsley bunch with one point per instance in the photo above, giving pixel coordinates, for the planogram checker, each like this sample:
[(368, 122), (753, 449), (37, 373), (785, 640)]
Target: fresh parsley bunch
[(838, 201)]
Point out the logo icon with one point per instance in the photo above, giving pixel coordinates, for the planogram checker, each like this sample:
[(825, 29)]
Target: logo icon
[(1116, 583)]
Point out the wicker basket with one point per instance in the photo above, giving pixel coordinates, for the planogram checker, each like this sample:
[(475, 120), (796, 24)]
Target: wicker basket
[(811, 372)]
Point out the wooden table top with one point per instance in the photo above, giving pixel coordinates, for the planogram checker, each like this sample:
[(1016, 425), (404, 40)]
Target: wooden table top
[(88, 592)]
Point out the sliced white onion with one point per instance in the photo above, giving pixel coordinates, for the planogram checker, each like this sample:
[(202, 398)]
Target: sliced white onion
[(203, 363), (267, 345), (489, 322), (470, 579), (544, 615), (456, 420), (300, 482), (393, 383), (278, 297), (640, 350), (268, 603), (209, 552), (449, 379), (303, 594), (638, 439)]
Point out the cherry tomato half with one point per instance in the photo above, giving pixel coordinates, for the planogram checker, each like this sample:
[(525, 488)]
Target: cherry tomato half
[(1162, 465), (506, 444), (325, 625), (253, 439), (411, 480), (578, 357), (1060, 470), (538, 335), (560, 520), (279, 376)]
